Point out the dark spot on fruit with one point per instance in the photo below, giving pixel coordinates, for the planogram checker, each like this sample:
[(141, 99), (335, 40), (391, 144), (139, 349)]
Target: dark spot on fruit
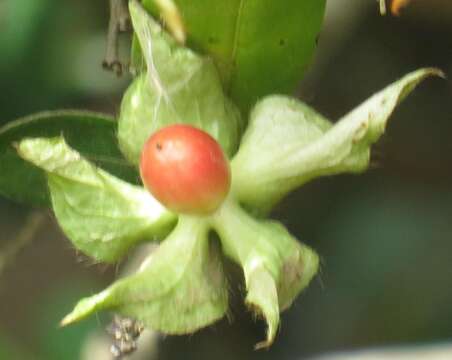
[(159, 146), (282, 42)]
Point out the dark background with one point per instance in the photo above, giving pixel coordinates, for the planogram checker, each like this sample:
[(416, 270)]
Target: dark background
[(385, 237)]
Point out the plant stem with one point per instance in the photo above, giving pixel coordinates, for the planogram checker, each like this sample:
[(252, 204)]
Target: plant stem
[(119, 22), (382, 7), (32, 225)]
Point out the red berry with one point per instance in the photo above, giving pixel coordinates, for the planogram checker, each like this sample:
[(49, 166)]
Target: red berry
[(185, 169)]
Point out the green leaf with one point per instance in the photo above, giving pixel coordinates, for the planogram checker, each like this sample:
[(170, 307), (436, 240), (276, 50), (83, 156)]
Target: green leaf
[(260, 46), (288, 144), (92, 134), (276, 267), (101, 214), (179, 288), (179, 87)]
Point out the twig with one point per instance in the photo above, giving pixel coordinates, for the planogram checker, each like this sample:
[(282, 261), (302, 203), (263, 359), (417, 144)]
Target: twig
[(382, 7), (32, 225), (119, 22)]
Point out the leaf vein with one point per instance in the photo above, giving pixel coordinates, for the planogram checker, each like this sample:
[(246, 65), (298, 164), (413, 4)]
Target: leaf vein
[(235, 40)]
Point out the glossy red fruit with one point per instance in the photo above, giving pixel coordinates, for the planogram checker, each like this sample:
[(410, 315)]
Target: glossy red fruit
[(185, 169)]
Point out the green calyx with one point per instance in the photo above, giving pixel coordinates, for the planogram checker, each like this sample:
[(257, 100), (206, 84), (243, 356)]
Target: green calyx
[(181, 286), (275, 265), (178, 87), (303, 145), (102, 215)]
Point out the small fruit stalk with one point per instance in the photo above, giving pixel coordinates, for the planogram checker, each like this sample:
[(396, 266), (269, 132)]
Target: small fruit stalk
[(185, 169)]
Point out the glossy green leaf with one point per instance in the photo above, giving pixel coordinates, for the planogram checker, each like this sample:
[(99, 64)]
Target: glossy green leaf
[(179, 87), (102, 215), (276, 266), (179, 288), (92, 134), (260, 46), (288, 144)]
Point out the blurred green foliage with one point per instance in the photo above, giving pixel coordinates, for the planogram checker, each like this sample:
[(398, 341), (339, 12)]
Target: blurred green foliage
[(9, 350), (385, 237), (51, 53), (57, 343)]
